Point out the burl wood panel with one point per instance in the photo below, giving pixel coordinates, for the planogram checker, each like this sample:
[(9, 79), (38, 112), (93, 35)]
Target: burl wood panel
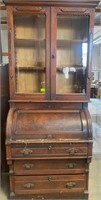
[(44, 124)]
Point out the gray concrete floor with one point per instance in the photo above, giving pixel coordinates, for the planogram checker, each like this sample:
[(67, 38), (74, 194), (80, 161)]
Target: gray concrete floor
[(95, 166)]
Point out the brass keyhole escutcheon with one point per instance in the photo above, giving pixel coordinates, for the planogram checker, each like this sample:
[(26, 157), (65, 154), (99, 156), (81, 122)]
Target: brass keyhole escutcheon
[(50, 148), (70, 165), (53, 56)]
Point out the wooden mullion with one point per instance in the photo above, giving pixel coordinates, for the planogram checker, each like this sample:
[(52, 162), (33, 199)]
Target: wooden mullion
[(53, 51)]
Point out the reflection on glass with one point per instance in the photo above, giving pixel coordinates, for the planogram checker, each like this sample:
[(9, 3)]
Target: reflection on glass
[(84, 54), (30, 53), (3, 36), (72, 48)]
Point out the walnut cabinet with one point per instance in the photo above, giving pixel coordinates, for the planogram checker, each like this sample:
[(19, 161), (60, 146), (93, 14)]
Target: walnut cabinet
[(49, 129)]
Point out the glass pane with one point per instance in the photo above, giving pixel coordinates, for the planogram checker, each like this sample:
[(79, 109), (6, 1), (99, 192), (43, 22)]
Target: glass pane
[(3, 37), (30, 53), (72, 49), (4, 43)]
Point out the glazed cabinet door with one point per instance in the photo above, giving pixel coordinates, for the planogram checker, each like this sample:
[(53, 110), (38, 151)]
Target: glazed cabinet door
[(29, 43), (70, 53), (49, 51)]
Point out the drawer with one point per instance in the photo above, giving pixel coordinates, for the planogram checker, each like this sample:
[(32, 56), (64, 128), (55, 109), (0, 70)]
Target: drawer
[(59, 166), (49, 150), (59, 185)]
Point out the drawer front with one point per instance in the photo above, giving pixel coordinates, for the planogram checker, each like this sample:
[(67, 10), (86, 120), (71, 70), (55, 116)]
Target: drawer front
[(28, 167), (49, 150), (59, 185)]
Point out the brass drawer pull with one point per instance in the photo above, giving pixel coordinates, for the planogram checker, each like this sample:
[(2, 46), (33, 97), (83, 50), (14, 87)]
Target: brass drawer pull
[(26, 151), (72, 151), (50, 148), (71, 165), (70, 184), (28, 166), (29, 185)]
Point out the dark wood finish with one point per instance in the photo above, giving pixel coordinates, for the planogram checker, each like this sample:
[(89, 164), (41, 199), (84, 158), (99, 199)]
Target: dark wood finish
[(51, 90), (49, 134), (50, 184), (43, 124), (49, 166), (77, 3)]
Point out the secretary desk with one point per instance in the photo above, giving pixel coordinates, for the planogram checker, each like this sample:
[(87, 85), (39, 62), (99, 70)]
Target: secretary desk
[(49, 128)]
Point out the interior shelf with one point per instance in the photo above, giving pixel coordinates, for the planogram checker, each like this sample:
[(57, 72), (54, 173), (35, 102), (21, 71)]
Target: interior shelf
[(72, 66), (33, 42), (59, 69), (29, 42), (30, 69), (72, 41)]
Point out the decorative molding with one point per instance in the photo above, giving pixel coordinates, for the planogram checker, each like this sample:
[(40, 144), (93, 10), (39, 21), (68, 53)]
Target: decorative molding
[(28, 8), (74, 10), (77, 3)]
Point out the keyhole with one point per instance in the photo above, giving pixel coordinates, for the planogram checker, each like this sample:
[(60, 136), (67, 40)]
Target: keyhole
[(53, 56)]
